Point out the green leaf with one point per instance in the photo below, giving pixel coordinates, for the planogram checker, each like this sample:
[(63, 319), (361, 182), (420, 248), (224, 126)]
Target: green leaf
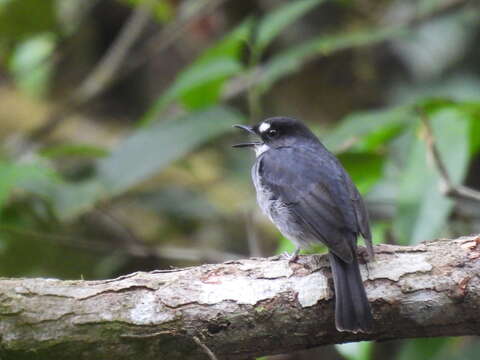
[(20, 19), (365, 168), (293, 59), (420, 349), (29, 66), (422, 209), (142, 155), (379, 232), (145, 153), (377, 139), (151, 149), (72, 199), (474, 135), (276, 21), (163, 10), (355, 351), (199, 85), (77, 150), (68, 199), (473, 112), (285, 246), (15, 176), (191, 80), (374, 127), (469, 350), (231, 45)]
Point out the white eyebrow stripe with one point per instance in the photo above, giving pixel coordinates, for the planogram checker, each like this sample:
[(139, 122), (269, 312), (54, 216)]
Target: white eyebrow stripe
[(264, 127)]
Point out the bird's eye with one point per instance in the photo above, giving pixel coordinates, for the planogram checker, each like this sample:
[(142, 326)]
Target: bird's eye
[(272, 133)]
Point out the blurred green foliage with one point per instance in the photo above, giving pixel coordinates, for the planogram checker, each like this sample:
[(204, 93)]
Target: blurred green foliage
[(355, 351), (14, 175), (200, 84), (422, 208), (137, 158), (172, 178), (17, 22), (29, 64)]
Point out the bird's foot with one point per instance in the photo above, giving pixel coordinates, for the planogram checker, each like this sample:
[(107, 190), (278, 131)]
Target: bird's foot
[(292, 258), (362, 253)]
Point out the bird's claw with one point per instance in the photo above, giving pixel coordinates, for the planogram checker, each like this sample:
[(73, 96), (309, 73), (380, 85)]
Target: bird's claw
[(292, 258), (364, 255)]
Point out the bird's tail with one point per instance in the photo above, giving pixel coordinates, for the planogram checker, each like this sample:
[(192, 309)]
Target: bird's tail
[(352, 310)]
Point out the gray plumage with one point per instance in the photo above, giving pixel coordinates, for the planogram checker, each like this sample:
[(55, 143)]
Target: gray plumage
[(307, 194)]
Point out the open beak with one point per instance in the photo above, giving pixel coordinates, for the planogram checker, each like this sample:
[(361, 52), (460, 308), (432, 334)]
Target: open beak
[(251, 131), (246, 128), (249, 144)]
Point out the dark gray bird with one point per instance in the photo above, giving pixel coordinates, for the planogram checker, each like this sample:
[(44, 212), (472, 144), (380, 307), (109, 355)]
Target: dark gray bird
[(308, 195)]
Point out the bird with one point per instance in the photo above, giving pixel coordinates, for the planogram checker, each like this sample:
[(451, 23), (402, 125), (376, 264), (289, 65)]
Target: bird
[(308, 195)]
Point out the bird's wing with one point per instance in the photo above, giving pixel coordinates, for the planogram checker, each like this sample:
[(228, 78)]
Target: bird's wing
[(361, 215), (318, 192)]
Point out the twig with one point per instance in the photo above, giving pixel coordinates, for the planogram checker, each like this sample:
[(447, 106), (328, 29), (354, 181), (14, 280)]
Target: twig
[(135, 245), (130, 239), (138, 251), (241, 84), (440, 10), (105, 70), (99, 78), (168, 36), (205, 348), (448, 188)]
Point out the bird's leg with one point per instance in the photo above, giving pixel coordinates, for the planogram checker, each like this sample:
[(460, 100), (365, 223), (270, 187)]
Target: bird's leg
[(294, 256), (362, 252)]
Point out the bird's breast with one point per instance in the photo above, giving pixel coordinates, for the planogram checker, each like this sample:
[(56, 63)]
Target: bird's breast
[(265, 195), (260, 149)]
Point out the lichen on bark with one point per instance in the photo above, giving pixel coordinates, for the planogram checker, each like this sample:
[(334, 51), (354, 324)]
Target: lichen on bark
[(239, 309)]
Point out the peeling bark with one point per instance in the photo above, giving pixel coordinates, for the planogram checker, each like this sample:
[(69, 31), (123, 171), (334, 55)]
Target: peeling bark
[(239, 309)]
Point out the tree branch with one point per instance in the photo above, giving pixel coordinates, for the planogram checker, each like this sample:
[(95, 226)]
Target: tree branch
[(169, 35), (447, 186), (239, 309), (105, 70)]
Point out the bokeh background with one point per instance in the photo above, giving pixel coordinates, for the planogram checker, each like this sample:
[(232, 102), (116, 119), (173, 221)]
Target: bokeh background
[(116, 125)]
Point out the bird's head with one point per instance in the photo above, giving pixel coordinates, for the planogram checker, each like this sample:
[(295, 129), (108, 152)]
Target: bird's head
[(277, 132)]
